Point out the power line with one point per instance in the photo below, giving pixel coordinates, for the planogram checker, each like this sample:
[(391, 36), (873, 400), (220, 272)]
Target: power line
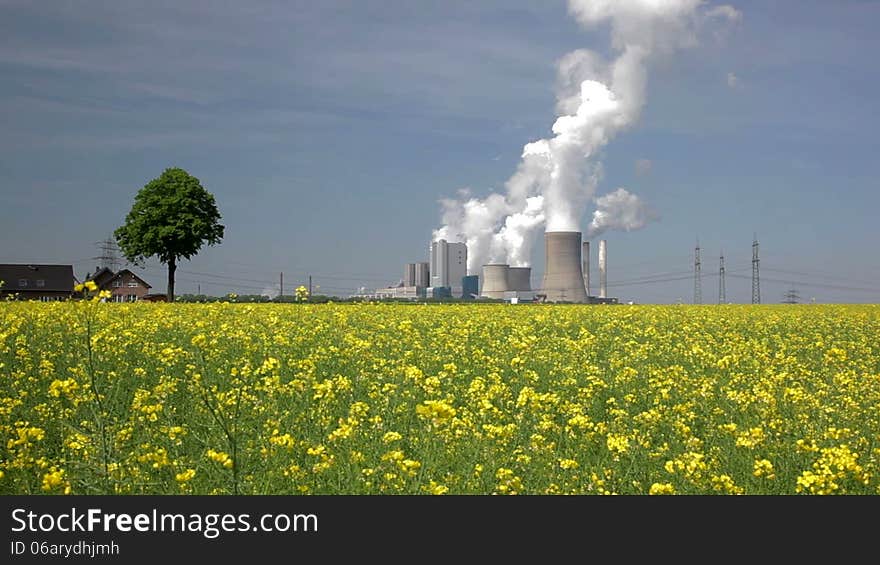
[(818, 285)]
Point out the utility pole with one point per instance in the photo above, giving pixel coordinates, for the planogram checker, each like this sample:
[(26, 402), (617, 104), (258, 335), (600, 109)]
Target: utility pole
[(722, 291), (756, 279), (199, 286), (310, 286), (698, 287), (281, 286)]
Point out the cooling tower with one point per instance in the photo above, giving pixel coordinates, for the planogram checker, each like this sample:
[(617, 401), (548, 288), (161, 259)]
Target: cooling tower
[(563, 277), (603, 269), (494, 281), (585, 256), (519, 279)]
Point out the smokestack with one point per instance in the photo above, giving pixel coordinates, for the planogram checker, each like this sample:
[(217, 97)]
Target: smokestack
[(603, 268), (495, 281), (519, 279), (563, 277), (585, 256)]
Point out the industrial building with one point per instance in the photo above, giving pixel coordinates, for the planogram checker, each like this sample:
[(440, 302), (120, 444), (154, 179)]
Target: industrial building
[(567, 270), (563, 273), (501, 281), (448, 265), (470, 286)]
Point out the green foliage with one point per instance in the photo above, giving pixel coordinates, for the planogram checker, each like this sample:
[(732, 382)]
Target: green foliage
[(171, 218)]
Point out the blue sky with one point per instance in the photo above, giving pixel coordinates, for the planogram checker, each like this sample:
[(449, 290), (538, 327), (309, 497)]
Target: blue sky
[(328, 131)]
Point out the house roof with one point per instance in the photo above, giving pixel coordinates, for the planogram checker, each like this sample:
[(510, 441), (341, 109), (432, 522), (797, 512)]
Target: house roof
[(56, 278), (101, 276), (124, 271)]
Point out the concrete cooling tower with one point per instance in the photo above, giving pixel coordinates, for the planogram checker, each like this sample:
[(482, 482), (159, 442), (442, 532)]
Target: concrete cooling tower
[(494, 282), (520, 279), (563, 277)]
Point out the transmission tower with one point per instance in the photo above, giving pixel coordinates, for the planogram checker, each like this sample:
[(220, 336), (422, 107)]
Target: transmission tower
[(109, 256), (756, 279), (791, 296), (722, 291), (698, 287)]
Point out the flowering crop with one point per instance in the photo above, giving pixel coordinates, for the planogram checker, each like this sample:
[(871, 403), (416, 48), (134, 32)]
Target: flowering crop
[(432, 399)]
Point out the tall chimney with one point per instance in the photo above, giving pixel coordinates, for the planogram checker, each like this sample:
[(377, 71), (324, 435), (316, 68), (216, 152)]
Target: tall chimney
[(563, 276), (603, 269), (585, 256)]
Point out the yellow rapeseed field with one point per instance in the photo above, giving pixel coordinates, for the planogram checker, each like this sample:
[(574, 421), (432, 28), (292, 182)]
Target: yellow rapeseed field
[(434, 399)]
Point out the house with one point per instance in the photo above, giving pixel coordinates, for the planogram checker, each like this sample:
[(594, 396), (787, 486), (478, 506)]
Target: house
[(37, 282), (124, 285)]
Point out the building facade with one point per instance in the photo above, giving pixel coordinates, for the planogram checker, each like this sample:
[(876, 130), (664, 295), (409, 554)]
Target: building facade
[(423, 275), (448, 265), (124, 286)]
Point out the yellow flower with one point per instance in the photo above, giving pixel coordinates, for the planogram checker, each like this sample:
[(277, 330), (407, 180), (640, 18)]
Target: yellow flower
[(661, 488), (185, 476), (568, 464), (220, 457)]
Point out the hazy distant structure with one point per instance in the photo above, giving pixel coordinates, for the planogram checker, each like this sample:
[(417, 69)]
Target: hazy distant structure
[(585, 259), (698, 283), (563, 274), (470, 286), (519, 279), (791, 296), (409, 274), (448, 265), (603, 269), (756, 278), (423, 275), (722, 290), (109, 256), (495, 280)]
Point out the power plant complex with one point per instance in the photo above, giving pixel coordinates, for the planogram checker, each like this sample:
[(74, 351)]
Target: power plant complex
[(566, 275)]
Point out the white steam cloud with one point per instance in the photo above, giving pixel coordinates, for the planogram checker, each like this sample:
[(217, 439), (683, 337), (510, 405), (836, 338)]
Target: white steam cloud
[(620, 210), (596, 99)]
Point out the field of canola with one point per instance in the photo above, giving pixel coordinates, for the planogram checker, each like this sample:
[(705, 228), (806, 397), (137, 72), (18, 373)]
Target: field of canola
[(434, 399)]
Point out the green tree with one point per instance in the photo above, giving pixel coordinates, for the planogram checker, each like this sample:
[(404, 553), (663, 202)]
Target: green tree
[(171, 218)]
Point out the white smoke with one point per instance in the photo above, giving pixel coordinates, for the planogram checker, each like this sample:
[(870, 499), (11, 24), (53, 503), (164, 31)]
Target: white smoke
[(620, 210), (557, 177)]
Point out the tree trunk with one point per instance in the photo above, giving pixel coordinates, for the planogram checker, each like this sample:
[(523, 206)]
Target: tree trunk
[(172, 266)]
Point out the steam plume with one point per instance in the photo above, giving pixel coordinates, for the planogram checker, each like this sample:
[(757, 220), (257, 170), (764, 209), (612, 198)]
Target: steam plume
[(596, 99), (620, 210)]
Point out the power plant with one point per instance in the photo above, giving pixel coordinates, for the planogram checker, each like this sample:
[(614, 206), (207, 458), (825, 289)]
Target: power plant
[(501, 281), (563, 275), (495, 281), (519, 279), (566, 275)]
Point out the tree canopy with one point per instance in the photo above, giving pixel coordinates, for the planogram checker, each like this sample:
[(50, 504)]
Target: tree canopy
[(172, 217)]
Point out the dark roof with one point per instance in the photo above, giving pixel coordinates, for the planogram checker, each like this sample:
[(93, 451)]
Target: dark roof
[(101, 276), (56, 278), (123, 271)]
